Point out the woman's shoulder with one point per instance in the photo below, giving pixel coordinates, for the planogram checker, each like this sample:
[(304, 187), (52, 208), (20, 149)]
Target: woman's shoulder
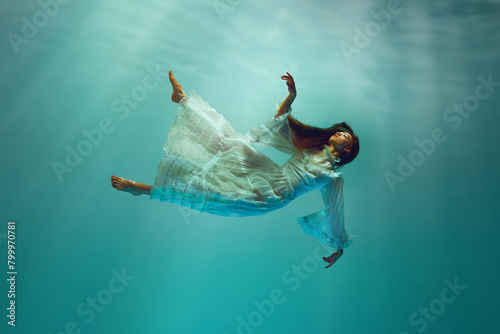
[(320, 162)]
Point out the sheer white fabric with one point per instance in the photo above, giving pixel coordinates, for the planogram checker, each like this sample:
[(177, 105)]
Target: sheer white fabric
[(210, 167)]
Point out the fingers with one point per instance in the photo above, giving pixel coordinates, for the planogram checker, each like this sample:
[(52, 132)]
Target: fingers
[(329, 260), (290, 83)]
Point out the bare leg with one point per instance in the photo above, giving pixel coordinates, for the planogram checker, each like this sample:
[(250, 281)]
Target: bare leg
[(178, 93), (135, 188)]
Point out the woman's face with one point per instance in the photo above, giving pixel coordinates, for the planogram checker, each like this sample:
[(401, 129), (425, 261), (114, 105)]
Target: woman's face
[(340, 140)]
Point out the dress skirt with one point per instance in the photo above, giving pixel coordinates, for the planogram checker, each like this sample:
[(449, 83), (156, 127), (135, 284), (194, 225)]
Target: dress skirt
[(210, 167)]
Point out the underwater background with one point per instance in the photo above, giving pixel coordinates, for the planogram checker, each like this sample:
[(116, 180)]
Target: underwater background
[(84, 95)]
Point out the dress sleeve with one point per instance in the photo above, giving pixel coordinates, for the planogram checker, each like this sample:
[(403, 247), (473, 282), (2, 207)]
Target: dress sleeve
[(328, 225), (275, 132)]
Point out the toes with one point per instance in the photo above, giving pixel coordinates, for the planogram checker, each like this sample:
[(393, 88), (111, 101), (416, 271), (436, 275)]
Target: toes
[(117, 182)]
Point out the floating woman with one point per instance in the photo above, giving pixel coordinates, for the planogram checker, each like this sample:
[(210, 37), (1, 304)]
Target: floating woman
[(210, 167)]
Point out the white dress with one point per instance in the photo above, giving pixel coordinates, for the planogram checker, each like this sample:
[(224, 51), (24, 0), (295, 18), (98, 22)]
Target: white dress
[(210, 167)]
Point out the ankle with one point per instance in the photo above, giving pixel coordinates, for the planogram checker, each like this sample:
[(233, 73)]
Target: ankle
[(140, 188)]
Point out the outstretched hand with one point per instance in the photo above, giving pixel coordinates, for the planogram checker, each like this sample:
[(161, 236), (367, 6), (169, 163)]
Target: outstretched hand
[(334, 257), (290, 83)]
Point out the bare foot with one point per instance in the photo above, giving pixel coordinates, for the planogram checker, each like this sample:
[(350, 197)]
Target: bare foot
[(124, 185), (178, 93)]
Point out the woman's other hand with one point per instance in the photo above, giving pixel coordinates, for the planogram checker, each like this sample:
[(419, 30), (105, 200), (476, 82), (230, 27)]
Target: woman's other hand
[(334, 257), (290, 83)]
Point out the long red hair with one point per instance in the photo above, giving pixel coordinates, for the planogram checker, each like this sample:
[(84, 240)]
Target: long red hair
[(307, 136)]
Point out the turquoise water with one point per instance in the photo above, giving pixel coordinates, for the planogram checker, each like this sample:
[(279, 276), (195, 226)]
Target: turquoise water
[(420, 198)]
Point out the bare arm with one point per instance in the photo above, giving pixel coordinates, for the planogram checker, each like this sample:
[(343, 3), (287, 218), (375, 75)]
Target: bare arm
[(285, 105)]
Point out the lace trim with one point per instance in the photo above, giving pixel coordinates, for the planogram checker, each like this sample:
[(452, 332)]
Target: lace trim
[(330, 155), (267, 127), (311, 164), (324, 237)]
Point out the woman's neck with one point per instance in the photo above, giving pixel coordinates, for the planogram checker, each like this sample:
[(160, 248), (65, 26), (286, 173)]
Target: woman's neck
[(332, 150)]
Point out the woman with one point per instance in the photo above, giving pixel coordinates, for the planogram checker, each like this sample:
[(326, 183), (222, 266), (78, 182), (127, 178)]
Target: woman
[(210, 167)]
